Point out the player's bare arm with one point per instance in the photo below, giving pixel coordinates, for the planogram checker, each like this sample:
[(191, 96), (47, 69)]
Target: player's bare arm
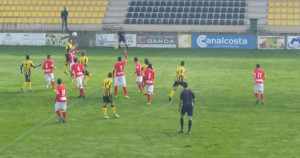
[(36, 66), (21, 69), (126, 57)]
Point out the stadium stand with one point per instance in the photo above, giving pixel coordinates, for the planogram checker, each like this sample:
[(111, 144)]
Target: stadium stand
[(47, 12)]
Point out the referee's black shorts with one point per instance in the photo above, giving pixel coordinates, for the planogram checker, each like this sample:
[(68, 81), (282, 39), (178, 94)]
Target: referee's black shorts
[(189, 109), (122, 40)]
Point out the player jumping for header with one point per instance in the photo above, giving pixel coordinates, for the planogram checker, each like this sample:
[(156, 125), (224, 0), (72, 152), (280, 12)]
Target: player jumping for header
[(119, 69), (259, 77), (68, 47)]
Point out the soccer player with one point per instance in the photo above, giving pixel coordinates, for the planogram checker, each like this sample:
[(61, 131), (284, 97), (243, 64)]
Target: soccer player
[(71, 56), (149, 75), (121, 35), (179, 79), (138, 74), (68, 47), (186, 105), (84, 61), (144, 67), (61, 101), (26, 65), (107, 97), (119, 69), (259, 77), (78, 69), (48, 67)]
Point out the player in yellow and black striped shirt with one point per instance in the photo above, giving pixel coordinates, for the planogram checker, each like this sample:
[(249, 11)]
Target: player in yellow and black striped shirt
[(107, 97), (84, 61), (68, 47), (25, 68), (179, 79)]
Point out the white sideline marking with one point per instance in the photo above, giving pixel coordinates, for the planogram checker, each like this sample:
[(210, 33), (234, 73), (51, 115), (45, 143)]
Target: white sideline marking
[(69, 106), (39, 125)]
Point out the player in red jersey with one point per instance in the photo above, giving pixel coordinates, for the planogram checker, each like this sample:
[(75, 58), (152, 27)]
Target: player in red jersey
[(138, 74), (61, 101), (48, 67), (79, 71), (119, 70), (71, 56), (259, 77), (149, 75)]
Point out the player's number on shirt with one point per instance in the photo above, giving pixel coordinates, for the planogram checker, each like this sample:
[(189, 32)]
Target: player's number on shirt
[(259, 75), (149, 76), (63, 92), (46, 66), (78, 68), (121, 68)]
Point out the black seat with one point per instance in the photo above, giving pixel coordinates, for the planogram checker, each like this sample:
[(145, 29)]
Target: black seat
[(183, 22), (138, 3), (203, 16), (181, 3), (234, 22), (135, 15), (197, 15), (218, 4), (191, 16), (175, 4), (190, 22), (167, 9), (242, 10), (157, 3), (149, 9), (210, 16), (147, 15), (158, 21), (160, 15), (130, 9), (222, 22), (196, 22), (205, 10), (127, 21), (211, 10), (229, 16), (145, 3), (172, 15), (229, 10), (129, 15), (217, 10), (152, 21), (212, 4), (236, 4), (186, 9), (161, 9), (141, 15), (193, 3), (163, 3), (180, 9), (222, 16), (155, 9), (224, 4), (243, 4), (203, 22), (236, 10), (171, 21), (193, 10), (223, 10), (235, 16), (166, 15), (133, 21), (165, 21), (178, 16), (146, 21), (132, 3), (174, 9), (228, 22), (187, 3), (140, 21), (206, 4), (153, 15), (200, 4), (177, 22), (209, 22), (143, 9), (241, 22), (137, 9), (185, 15), (150, 3), (169, 3), (198, 10), (216, 16), (230, 4), (242, 16), (216, 22)]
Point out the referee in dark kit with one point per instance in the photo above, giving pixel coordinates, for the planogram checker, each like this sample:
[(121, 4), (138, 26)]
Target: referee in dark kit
[(121, 35), (186, 105)]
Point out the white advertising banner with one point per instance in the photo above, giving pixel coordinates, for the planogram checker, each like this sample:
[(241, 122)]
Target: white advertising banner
[(23, 39), (270, 42), (293, 42), (110, 40), (56, 39)]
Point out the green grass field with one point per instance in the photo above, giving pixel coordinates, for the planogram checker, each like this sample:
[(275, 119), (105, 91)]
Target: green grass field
[(226, 124)]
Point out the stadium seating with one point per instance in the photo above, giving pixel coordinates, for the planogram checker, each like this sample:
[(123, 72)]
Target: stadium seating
[(48, 11), (283, 13), (188, 12)]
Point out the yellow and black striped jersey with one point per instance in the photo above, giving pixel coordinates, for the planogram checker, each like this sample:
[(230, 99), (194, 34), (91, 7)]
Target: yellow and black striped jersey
[(83, 60), (179, 74), (27, 64), (69, 45), (107, 87), (144, 67)]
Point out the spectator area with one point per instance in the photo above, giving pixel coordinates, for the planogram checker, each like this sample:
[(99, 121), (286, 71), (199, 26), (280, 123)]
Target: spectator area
[(283, 12), (189, 12), (49, 11)]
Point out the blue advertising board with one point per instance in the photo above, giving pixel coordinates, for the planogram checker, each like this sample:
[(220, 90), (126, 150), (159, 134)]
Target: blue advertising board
[(223, 41)]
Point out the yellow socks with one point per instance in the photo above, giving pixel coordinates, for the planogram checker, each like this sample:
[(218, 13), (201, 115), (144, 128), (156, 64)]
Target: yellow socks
[(66, 68), (29, 84), (104, 111), (172, 93), (113, 110), (86, 79), (24, 85)]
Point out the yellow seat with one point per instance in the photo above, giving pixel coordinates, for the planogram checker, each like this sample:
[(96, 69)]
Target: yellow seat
[(60, 8), (9, 14), (22, 2), (296, 10), (39, 2), (283, 16), (103, 9), (271, 4), (76, 14), (74, 21), (43, 8), (87, 3), (49, 8), (55, 8), (37, 20), (283, 23), (13, 20), (99, 3), (2, 8), (80, 21), (290, 23), (57, 2), (69, 3), (37, 8), (84, 8), (28, 14), (52, 14), (55, 20), (24, 8), (45, 2), (19, 20), (283, 10), (43, 20), (13, 8), (81, 3), (51, 2), (277, 22), (270, 22), (277, 10), (79, 8), (97, 9), (290, 4), (31, 20), (88, 14), (105, 3), (22, 14), (10, 2), (91, 9), (290, 16), (49, 20), (19, 8), (73, 8), (1, 20), (86, 21), (82, 15), (277, 16), (27, 3), (33, 14), (16, 14), (63, 2), (7, 20), (75, 3), (7, 8), (93, 3), (92, 21), (4, 14), (71, 14), (290, 10), (101, 15), (94, 14), (283, 4), (31, 8), (4, 2), (99, 21), (57, 14), (16, 2), (277, 4), (296, 4), (33, 2), (46, 14), (296, 23), (296, 17), (25, 20)]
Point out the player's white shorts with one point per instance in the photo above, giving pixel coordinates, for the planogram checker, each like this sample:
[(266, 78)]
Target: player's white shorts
[(259, 87), (149, 88), (60, 105), (49, 77), (79, 81), (120, 81), (71, 64), (139, 79)]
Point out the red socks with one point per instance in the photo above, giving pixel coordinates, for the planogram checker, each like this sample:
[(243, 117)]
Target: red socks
[(125, 91), (58, 113), (81, 91), (53, 85), (256, 95), (149, 97), (140, 86), (262, 97), (116, 90), (64, 114), (72, 75)]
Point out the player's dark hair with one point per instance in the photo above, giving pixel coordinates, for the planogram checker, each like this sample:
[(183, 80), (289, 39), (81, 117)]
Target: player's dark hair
[(119, 59), (69, 39), (48, 56), (27, 57), (109, 74), (182, 63), (59, 81), (257, 66), (146, 61), (75, 60), (135, 59), (83, 53), (150, 65), (185, 84)]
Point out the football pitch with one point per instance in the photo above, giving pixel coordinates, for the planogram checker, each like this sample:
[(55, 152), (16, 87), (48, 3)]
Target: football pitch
[(226, 123)]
